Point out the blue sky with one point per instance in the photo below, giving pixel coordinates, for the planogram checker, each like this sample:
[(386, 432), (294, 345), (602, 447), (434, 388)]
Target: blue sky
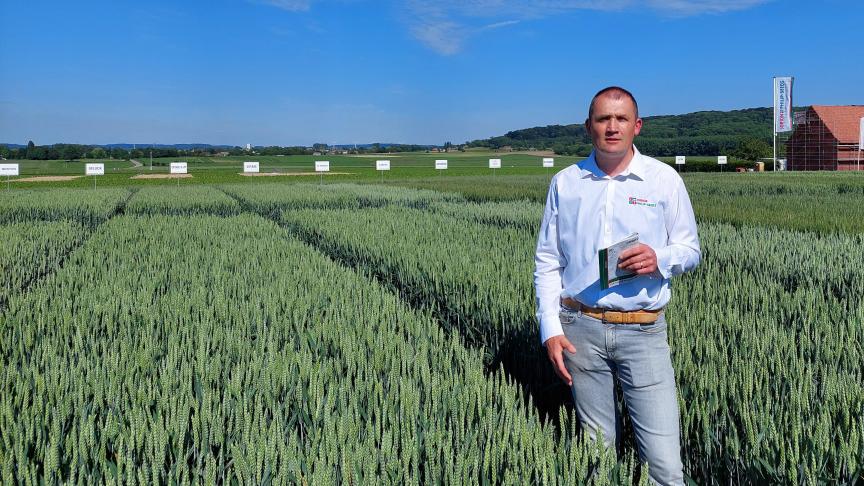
[(296, 72)]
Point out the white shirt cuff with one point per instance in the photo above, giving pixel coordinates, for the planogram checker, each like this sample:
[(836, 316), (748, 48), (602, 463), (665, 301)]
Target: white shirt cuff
[(550, 326), (664, 261)]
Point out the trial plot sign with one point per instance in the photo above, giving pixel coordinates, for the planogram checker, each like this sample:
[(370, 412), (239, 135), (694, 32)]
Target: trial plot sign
[(494, 163), (382, 165), (721, 159), (680, 159), (179, 168), (440, 164), (251, 167), (94, 169), (322, 166), (8, 170), (548, 162)]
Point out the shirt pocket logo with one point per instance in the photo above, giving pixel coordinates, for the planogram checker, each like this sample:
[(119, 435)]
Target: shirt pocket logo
[(641, 201)]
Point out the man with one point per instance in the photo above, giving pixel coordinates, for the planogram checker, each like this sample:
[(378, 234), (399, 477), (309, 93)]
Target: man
[(593, 335)]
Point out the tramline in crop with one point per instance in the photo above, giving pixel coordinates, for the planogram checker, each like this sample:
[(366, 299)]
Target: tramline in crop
[(216, 348), (252, 358)]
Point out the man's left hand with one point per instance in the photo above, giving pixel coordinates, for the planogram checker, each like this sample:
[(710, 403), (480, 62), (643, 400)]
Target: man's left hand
[(639, 258)]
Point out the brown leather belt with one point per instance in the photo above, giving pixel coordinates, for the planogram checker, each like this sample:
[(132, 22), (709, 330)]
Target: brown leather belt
[(612, 316)]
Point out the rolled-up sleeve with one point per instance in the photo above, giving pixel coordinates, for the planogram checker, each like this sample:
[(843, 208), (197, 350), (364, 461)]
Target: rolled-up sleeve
[(549, 262), (682, 253)]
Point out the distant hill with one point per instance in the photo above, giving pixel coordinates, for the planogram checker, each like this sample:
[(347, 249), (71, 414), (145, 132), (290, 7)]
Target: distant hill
[(178, 146), (207, 146), (700, 133), (130, 146)]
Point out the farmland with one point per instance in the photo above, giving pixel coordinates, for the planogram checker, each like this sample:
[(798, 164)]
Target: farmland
[(351, 332), (345, 168)]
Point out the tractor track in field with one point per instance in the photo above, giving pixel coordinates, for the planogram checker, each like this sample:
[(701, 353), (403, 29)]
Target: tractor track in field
[(543, 392), (61, 261)]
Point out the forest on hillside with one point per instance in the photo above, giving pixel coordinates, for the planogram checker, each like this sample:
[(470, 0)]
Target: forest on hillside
[(741, 133)]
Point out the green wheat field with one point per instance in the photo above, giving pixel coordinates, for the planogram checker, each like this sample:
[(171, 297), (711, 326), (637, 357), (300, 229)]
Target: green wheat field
[(337, 330)]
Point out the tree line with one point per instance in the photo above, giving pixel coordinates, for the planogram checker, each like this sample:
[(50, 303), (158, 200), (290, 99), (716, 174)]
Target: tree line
[(745, 134), (68, 151)]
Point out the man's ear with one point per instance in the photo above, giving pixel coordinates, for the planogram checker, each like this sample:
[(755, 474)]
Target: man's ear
[(637, 127)]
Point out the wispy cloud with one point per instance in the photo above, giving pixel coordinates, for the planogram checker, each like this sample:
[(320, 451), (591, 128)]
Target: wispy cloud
[(289, 5), (445, 25), (498, 25), (440, 35), (697, 7)]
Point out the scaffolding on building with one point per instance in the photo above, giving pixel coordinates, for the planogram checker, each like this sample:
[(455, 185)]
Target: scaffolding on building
[(813, 145)]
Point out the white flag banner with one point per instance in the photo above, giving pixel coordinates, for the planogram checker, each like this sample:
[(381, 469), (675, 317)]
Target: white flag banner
[(782, 104), (861, 135)]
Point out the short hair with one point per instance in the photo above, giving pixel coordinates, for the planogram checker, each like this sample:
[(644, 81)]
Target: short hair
[(616, 92)]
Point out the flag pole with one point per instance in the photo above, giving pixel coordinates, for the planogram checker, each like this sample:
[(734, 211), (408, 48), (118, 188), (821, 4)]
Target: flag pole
[(774, 103)]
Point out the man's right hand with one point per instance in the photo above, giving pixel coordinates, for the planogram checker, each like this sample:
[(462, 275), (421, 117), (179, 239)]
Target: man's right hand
[(555, 347)]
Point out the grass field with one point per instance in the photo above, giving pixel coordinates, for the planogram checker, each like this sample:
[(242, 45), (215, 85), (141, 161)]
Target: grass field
[(275, 332), (217, 170)]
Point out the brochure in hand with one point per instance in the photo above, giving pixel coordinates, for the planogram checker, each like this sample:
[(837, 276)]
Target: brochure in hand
[(610, 274)]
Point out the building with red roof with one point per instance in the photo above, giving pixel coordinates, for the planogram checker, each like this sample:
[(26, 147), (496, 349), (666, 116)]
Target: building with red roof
[(825, 138)]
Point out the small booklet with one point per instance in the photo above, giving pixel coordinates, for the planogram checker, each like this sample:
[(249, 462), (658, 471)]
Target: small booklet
[(610, 274)]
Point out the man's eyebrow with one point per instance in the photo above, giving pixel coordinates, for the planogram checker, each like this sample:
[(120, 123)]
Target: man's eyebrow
[(606, 116)]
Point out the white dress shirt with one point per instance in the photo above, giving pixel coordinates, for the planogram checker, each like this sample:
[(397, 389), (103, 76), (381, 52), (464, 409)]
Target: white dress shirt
[(586, 210)]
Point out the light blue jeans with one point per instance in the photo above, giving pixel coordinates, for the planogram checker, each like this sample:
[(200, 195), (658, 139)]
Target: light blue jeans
[(639, 355)]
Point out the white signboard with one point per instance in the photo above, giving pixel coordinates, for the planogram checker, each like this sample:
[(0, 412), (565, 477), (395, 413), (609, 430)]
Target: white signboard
[(382, 165), (94, 169), (322, 166), (782, 104), (548, 162), (250, 167), (680, 160), (721, 159), (800, 118), (440, 164), (8, 170), (494, 163), (179, 168)]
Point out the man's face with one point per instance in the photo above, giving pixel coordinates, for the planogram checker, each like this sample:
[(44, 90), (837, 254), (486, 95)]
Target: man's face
[(614, 125)]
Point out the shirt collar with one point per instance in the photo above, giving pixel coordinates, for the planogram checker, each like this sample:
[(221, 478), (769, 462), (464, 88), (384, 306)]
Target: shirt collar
[(636, 167)]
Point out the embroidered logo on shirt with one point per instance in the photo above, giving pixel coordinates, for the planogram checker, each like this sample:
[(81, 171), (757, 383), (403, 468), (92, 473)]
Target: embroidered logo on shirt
[(638, 201)]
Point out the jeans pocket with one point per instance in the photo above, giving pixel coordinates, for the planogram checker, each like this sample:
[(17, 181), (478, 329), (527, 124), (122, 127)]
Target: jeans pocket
[(655, 327), (567, 316)]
